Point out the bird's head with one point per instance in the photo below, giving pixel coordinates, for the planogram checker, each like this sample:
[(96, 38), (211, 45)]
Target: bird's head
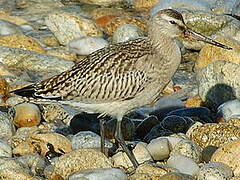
[(171, 23)]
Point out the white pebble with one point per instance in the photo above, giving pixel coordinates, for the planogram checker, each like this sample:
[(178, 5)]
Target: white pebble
[(229, 109), (8, 28), (87, 45), (183, 164), (99, 174), (159, 148), (88, 139), (214, 171)]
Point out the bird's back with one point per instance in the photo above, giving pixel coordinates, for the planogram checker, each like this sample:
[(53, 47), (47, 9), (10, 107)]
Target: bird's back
[(106, 75)]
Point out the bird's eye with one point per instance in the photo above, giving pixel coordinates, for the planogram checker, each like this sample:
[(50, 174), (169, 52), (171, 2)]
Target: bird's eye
[(172, 22)]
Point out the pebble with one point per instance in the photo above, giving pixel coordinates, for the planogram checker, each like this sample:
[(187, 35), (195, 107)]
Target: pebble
[(159, 148), (36, 163), (41, 65), (99, 174), (213, 134), (214, 171), (26, 114), (54, 111), (194, 101), (77, 160), (21, 41), (207, 153), (177, 176), (127, 32), (5, 149), (140, 152), (179, 162), (218, 83), (145, 126), (144, 5), (229, 155), (189, 149), (67, 27), (88, 139), (154, 172), (43, 143), (7, 28), (21, 174), (7, 129), (229, 110), (87, 45), (176, 124), (102, 2), (4, 90)]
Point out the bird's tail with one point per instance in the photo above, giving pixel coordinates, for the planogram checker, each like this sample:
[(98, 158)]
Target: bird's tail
[(27, 91)]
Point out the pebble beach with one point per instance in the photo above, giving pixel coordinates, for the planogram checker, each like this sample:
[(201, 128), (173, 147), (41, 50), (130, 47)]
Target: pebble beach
[(191, 133)]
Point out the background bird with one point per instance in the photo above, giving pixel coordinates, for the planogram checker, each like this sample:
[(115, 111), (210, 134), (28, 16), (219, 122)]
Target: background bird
[(121, 77)]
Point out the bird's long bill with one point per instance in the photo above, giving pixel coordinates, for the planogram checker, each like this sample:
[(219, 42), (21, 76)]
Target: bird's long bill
[(196, 36)]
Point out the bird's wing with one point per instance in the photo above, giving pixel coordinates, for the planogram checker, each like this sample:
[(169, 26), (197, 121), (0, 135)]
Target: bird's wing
[(107, 74)]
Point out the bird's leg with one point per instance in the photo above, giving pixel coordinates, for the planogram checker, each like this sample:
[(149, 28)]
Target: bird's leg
[(119, 138), (102, 134)]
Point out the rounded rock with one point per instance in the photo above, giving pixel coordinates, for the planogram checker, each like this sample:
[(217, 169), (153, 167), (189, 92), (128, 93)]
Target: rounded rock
[(74, 161), (88, 139), (26, 115), (213, 134), (229, 109), (7, 128), (189, 149), (67, 27), (99, 174), (7, 28), (87, 45), (179, 162), (127, 32), (229, 154), (177, 176), (214, 171), (159, 148)]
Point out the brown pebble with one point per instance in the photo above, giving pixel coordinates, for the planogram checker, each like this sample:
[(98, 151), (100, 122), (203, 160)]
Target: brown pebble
[(26, 115)]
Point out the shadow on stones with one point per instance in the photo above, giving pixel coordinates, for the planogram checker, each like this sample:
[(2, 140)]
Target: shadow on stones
[(219, 94)]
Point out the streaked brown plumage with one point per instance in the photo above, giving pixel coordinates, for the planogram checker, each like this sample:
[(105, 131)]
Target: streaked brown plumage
[(121, 77)]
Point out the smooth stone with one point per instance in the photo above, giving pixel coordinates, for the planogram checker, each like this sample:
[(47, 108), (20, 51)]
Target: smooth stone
[(157, 131), (140, 152), (7, 128), (37, 65), (49, 144), (159, 148), (17, 174), (201, 113), (229, 154), (67, 27), (176, 123), (213, 134), (177, 176), (77, 160), (126, 32), (189, 149), (230, 109), (53, 111), (87, 45), (26, 114), (179, 162), (21, 41), (7, 28), (88, 139), (214, 171), (5, 149), (218, 83), (4, 89), (99, 174), (207, 153), (35, 161), (143, 5), (146, 125)]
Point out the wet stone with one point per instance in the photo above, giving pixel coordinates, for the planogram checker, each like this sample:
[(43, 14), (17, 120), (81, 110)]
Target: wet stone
[(146, 125)]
